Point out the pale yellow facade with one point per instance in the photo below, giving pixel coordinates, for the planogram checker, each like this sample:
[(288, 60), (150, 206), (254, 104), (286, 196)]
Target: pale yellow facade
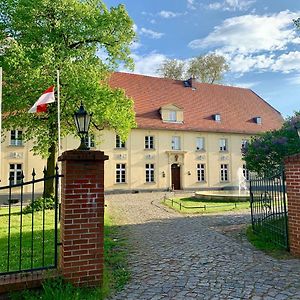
[(136, 160)]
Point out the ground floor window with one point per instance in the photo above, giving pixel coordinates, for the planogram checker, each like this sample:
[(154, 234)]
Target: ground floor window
[(15, 173), (224, 172), (149, 172), (201, 172), (120, 173)]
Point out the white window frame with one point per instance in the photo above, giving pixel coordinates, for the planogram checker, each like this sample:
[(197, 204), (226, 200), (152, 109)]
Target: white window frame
[(246, 173), (120, 173), (223, 144), (200, 144), (15, 171), (149, 168), (16, 141), (201, 174), (224, 175), (175, 145), (119, 143), (149, 142), (90, 141), (172, 116)]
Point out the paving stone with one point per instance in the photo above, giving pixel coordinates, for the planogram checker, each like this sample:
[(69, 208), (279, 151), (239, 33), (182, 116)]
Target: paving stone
[(175, 256)]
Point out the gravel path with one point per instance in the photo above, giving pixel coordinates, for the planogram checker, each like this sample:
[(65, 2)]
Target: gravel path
[(189, 257)]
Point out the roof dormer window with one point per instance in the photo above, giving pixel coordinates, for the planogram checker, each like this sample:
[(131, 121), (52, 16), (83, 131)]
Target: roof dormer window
[(171, 113), (258, 120), (172, 116), (217, 117)]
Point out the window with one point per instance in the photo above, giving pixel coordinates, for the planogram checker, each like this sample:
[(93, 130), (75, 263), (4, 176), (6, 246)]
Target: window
[(172, 116), (258, 120), (90, 141), (119, 142), (120, 173), (15, 173), (217, 117), (223, 145), (246, 172), (16, 138), (224, 172), (149, 142), (175, 142), (244, 144), (200, 143), (201, 172), (149, 172)]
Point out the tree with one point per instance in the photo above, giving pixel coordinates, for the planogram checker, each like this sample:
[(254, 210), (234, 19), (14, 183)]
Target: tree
[(208, 68), (172, 69), (37, 37), (265, 153)]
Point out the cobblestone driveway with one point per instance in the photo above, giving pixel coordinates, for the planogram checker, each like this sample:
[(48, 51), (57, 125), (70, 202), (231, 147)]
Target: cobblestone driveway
[(188, 257)]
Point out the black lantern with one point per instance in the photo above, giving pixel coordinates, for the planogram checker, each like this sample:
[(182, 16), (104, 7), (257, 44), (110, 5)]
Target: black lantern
[(82, 122)]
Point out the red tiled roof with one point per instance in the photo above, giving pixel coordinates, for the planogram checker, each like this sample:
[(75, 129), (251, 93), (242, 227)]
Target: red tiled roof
[(237, 106)]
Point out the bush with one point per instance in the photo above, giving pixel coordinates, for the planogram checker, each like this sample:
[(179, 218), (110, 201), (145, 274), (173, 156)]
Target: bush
[(39, 204)]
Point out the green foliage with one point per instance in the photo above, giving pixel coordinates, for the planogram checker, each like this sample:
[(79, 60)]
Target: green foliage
[(265, 153), (39, 204), (38, 37), (207, 68)]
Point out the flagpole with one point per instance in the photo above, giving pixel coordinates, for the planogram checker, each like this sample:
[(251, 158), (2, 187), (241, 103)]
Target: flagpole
[(0, 123), (58, 114)]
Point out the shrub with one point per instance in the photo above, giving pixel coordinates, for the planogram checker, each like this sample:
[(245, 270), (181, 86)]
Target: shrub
[(39, 204)]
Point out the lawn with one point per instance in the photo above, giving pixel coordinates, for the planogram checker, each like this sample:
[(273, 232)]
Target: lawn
[(192, 205), (27, 246), (39, 251)]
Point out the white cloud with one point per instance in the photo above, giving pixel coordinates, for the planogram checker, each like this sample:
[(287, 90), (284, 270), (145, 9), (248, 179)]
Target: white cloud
[(231, 5), (191, 4), (252, 33), (148, 64), (168, 14), (150, 33), (287, 63), (246, 85)]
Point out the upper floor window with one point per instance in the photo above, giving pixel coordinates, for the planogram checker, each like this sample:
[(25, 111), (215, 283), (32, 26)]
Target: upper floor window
[(246, 172), (201, 172), (200, 143), (15, 173), (172, 116), (120, 173), (149, 142), (119, 142), (149, 172), (244, 144), (90, 141), (223, 145), (16, 138), (175, 142), (224, 172)]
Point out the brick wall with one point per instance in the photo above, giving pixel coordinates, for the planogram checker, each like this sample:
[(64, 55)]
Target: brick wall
[(292, 171), (82, 217)]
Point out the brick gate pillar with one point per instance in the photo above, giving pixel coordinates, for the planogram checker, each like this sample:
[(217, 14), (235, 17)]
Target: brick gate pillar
[(292, 171), (82, 217)]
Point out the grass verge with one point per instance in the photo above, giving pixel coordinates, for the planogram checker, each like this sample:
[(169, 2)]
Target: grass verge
[(194, 206), (115, 275), (266, 246)]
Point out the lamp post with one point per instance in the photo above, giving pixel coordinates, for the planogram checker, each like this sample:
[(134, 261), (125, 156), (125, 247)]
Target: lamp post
[(82, 122)]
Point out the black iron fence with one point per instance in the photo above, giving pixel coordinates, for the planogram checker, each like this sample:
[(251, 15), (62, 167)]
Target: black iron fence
[(29, 225), (269, 210)]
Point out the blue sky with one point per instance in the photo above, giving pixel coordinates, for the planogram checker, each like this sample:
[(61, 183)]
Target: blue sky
[(257, 37)]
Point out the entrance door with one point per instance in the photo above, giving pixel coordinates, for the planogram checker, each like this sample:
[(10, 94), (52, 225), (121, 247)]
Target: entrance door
[(175, 170)]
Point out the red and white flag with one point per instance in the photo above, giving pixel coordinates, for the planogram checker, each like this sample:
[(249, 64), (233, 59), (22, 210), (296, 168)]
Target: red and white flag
[(41, 104)]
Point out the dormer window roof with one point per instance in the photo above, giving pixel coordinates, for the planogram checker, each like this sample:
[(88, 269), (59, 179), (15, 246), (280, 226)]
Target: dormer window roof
[(171, 113)]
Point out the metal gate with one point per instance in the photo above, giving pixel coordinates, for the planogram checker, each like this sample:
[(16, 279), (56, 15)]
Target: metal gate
[(269, 208), (28, 225)]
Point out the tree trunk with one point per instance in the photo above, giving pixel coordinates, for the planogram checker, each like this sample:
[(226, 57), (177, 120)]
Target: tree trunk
[(49, 184)]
